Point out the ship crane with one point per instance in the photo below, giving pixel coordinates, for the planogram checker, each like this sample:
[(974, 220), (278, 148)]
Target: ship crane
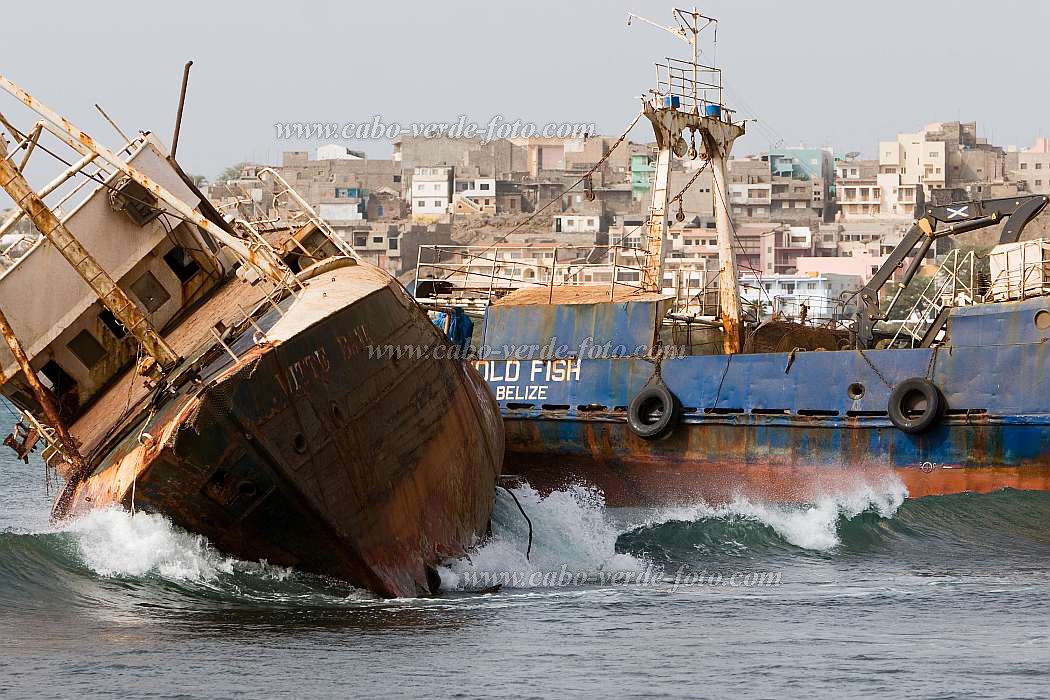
[(688, 96), (959, 217)]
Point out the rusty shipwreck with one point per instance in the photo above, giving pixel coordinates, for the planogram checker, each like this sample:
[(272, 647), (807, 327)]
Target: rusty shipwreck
[(167, 358)]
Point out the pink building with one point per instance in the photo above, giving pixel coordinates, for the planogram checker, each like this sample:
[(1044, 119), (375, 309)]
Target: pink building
[(863, 266)]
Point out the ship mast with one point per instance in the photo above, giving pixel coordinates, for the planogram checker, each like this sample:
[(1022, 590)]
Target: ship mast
[(688, 96)]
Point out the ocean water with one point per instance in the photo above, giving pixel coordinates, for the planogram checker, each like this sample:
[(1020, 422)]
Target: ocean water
[(862, 593)]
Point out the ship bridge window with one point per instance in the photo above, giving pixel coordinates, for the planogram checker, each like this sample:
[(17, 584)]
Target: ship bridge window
[(110, 322), (63, 386), (182, 263), (150, 291), (87, 349)]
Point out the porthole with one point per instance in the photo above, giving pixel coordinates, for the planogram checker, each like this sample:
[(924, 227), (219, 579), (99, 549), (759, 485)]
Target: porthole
[(1042, 320)]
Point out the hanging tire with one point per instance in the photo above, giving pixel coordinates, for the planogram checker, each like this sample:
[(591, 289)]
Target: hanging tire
[(915, 405), (653, 412)]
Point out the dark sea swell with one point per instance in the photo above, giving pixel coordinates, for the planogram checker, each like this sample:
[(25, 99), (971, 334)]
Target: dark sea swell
[(863, 592)]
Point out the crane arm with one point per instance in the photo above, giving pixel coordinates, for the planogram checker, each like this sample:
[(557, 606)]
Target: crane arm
[(958, 217)]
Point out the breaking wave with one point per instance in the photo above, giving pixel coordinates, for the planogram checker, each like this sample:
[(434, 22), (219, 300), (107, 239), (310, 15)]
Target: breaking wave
[(572, 534), (114, 559), (577, 540), (106, 555)]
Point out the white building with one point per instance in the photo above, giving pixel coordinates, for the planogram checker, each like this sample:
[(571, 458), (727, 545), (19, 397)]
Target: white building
[(475, 195), (786, 294), (570, 222), (432, 193), (334, 151)]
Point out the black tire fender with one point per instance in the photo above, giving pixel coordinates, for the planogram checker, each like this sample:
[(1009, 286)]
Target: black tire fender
[(910, 393), (653, 412)]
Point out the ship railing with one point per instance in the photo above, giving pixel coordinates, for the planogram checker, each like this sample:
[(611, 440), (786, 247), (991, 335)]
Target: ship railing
[(952, 285), (300, 209), (256, 224), (818, 308), (52, 454), (487, 273), (64, 187), (690, 86), (1029, 279), (695, 289)]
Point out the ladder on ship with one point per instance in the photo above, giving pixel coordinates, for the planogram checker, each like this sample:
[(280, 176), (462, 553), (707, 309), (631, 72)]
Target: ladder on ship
[(951, 286)]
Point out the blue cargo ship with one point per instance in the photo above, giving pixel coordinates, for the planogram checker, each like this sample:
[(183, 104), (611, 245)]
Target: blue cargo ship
[(953, 397)]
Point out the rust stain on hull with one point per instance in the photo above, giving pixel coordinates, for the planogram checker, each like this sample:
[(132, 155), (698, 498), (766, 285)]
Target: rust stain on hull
[(310, 453), (716, 463)]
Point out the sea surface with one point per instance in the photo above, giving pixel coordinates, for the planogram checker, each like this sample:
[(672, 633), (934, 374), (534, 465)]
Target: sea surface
[(864, 593)]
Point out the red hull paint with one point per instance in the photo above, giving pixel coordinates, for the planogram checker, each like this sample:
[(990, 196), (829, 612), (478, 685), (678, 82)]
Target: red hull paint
[(717, 463)]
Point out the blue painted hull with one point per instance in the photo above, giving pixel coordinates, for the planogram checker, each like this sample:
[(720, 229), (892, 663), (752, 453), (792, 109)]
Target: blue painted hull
[(790, 425)]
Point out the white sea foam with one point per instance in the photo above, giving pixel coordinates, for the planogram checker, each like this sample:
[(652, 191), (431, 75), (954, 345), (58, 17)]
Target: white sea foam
[(575, 538), (116, 543), (810, 526), (571, 534)]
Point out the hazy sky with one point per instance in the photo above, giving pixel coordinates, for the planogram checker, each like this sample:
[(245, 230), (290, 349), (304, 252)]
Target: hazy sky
[(822, 72)]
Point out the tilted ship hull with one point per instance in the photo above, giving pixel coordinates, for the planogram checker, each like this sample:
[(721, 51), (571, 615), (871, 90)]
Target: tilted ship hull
[(236, 378), (310, 451)]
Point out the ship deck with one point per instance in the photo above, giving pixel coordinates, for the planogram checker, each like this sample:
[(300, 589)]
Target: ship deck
[(577, 294), (184, 338)]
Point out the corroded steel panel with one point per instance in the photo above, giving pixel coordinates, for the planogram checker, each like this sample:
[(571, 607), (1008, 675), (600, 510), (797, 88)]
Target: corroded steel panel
[(317, 454)]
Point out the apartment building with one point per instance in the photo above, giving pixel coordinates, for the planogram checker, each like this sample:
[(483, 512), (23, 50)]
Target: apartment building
[(944, 162), (750, 188), (431, 194), (857, 189), (412, 152), (1030, 168)]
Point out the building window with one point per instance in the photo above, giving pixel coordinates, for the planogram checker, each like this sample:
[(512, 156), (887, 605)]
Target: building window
[(182, 264), (1038, 166), (419, 188), (420, 203), (112, 324), (391, 243), (377, 239), (438, 203), (483, 186), (62, 385), (379, 211), (150, 291), (1024, 166), (88, 350), (360, 240)]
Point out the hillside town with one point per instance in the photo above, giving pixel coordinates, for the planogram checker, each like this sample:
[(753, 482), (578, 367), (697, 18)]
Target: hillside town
[(810, 224)]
